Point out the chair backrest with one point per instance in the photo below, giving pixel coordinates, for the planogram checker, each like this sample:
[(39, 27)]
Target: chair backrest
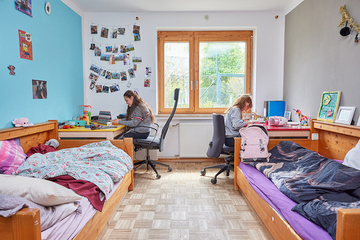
[(167, 124), (218, 139)]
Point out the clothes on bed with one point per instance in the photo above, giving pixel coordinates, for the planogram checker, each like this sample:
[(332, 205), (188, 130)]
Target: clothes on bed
[(83, 188), (305, 176), (40, 149), (100, 163)]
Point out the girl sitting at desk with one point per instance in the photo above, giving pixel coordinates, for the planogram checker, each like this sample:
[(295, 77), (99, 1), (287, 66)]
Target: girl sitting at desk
[(138, 114), (234, 120)]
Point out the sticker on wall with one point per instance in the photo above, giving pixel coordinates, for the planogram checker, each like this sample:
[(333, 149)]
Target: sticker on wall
[(148, 72), (39, 89), (136, 31), (147, 82), (25, 43), (11, 68), (24, 6)]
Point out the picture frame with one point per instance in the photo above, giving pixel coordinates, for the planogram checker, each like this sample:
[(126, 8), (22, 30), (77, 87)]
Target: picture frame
[(287, 115), (358, 122), (345, 115), (329, 106)]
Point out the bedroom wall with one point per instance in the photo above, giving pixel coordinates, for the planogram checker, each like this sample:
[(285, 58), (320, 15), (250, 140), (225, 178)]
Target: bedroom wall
[(57, 59), (268, 51), (318, 58)]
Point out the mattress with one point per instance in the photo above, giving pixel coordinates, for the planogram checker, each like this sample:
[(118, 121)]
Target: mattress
[(70, 226), (271, 194)]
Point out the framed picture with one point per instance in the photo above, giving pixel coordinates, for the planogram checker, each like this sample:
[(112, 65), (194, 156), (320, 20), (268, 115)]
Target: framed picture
[(287, 115), (358, 122), (329, 106), (345, 115)]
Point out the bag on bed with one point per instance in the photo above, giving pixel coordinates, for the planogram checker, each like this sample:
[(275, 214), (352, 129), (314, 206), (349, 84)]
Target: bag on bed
[(254, 142)]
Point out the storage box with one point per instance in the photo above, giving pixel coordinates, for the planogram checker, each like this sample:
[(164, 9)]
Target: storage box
[(76, 122)]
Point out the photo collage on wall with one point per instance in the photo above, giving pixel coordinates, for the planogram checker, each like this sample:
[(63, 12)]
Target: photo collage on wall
[(116, 54)]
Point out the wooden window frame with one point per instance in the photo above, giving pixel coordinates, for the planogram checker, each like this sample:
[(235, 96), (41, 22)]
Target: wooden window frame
[(194, 38)]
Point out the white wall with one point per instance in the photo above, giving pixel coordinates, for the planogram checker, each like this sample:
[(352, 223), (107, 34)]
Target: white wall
[(268, 51)]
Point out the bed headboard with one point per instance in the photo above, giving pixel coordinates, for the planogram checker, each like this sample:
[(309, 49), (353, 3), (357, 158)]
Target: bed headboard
[(31, 136)]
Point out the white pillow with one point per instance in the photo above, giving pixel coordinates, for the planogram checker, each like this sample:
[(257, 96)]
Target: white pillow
[(352, 158), (37, 190)]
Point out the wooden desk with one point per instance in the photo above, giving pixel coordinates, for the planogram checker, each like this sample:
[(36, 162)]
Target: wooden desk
[(288, 131), (82, 132)]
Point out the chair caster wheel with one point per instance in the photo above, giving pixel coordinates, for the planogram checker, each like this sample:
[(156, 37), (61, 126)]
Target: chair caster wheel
[(203, 172), (213, 180), (170, 169), (158, 176)]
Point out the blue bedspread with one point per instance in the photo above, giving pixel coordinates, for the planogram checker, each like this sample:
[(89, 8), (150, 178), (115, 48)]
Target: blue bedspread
[(319, 185)]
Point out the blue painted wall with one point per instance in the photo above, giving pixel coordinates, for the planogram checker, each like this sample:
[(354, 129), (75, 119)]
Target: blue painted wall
[(57, 59)]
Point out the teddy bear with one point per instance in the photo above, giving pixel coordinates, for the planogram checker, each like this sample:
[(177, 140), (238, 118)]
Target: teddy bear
[(22, 122)]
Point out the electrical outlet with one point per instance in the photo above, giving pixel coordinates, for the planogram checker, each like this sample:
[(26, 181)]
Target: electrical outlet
[(314, 136)]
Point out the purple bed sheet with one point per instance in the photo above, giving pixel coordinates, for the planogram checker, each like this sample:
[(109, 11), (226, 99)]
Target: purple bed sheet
[(271, 194)]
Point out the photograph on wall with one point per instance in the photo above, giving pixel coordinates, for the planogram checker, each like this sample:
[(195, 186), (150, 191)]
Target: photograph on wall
[(111, 59), (98, 88), (127, 59), (95, 68), (102, 72), (39, 89), (108, 75), (119, 57), (147, 82), (135, 67), (115, 49), (148, 72), (114, 33), (121, 31), (329, 105), (136, 32), (104, 57), (97, 51), (24, 6), (93, 29), (115, 87), (123, 76), (130, 47), (131, 73), (136, 59), (105, 89), (25, 43), (108, 48), (104, 32), (128, 84), (92, 85), (115, 75), (123, 49), (92, 46)]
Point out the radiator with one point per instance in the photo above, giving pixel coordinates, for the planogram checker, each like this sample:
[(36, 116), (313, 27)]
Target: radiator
[(194, 139)]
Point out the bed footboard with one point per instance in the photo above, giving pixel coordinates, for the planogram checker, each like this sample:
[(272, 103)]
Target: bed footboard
[(348, 224)]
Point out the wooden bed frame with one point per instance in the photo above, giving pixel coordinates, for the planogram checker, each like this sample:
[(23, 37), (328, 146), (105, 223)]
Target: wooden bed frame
[(334, 141), (26, 223)]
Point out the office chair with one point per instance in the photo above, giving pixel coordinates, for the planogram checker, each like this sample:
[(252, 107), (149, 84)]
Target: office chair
[(154, 142), (217, 146)]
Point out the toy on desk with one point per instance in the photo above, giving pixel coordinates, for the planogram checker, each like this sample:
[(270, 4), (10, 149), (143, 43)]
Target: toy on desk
[(277, 121), (304, 120), (22, 122)]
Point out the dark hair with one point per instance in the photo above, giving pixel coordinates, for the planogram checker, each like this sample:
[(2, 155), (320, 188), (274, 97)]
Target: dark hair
[(240, 102), (136, 102)]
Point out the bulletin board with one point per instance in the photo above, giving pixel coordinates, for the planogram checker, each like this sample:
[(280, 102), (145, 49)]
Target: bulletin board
[(329, 106)]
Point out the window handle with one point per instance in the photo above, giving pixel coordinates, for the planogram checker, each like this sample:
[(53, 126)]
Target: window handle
[(197, 85), (191, 83)]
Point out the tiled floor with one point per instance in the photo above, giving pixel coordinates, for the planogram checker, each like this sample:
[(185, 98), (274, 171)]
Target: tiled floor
[(184, 205)]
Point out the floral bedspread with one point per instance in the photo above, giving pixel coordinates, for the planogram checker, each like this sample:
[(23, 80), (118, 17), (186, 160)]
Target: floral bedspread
[(100, 163)]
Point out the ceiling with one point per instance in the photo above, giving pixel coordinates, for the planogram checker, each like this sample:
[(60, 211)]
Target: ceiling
[(184, 5)]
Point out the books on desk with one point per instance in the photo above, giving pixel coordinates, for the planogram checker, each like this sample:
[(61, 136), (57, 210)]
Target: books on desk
[(104, 117)]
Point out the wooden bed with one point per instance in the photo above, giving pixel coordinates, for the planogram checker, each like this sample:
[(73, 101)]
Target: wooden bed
[(334, 141), (26, 223)]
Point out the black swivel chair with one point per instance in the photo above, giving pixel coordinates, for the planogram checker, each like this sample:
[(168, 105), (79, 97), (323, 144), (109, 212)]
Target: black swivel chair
[(217, 146), (154, 142)]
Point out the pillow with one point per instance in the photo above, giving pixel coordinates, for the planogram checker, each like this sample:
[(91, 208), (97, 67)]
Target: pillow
[(37, 190), (9, 205), (352, 158), (11, 155)]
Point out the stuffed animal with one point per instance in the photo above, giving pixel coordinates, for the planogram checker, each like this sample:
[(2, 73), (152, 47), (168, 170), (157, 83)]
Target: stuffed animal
[(304, 120), (22, 122)]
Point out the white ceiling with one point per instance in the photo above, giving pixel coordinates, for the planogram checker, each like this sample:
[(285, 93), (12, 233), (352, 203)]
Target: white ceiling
[(184, 5)]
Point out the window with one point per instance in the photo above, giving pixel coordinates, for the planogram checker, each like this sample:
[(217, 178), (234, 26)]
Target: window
[(211, 68)]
